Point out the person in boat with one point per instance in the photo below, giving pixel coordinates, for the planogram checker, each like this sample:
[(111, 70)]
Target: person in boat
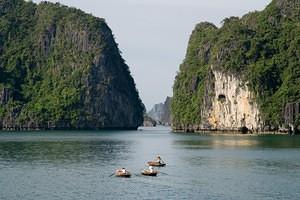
[(151, 169), (159, 160), (123, 170)]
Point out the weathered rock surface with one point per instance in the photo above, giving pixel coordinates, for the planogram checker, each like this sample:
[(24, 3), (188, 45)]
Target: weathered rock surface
[(149, 122), (232, 105), (161, 112), (61, 69), (291, 114), (5, 96), (243, 76)]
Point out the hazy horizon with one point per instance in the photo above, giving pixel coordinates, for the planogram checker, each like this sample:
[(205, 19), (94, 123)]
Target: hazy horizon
[(153, 34)]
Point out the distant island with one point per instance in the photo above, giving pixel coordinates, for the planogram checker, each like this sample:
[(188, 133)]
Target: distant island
[(161, 113), (61, 69), (243, 76)]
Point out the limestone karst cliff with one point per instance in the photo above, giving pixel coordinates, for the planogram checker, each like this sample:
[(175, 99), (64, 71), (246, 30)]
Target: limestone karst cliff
[(161, 112), (243, 75), (149, 122), (232, 105), (61, 69)]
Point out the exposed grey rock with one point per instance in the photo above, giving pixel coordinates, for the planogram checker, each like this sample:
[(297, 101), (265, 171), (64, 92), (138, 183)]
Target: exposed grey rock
[(291, 115), (149, 122), (162, 112), (5, 95)]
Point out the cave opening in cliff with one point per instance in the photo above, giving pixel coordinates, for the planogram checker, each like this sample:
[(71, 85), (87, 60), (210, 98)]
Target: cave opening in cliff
[(222, 98)]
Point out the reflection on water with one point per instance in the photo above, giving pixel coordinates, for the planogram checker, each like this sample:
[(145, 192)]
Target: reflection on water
[(62, 151), (239, 142), (241, 152), (228, 143), (77, 165), (243, 163)]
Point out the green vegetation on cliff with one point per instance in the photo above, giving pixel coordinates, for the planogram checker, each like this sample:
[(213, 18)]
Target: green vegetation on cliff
[(261, 48), (60, 67)]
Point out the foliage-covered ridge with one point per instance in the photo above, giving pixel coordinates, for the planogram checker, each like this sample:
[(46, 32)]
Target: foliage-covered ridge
[(61, 68), (261, 49)]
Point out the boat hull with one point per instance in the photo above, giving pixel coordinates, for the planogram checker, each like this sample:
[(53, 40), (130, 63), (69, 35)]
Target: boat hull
[(148, 173), (156, 164)]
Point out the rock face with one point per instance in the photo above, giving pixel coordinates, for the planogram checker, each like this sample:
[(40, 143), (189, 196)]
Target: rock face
[(161, 112), (292, 116), (61, 69), (232, 105), (5, 96), (149, 122), (242, 76)]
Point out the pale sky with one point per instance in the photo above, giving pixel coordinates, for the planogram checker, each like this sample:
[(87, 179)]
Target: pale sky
[(153, 34)]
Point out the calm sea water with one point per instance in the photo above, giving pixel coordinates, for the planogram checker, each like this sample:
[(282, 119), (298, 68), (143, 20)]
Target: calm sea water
[(77, 165)]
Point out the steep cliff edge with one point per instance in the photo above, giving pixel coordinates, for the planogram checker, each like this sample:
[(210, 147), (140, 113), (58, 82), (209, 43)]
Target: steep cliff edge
[(242, 76), (61, 69)]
